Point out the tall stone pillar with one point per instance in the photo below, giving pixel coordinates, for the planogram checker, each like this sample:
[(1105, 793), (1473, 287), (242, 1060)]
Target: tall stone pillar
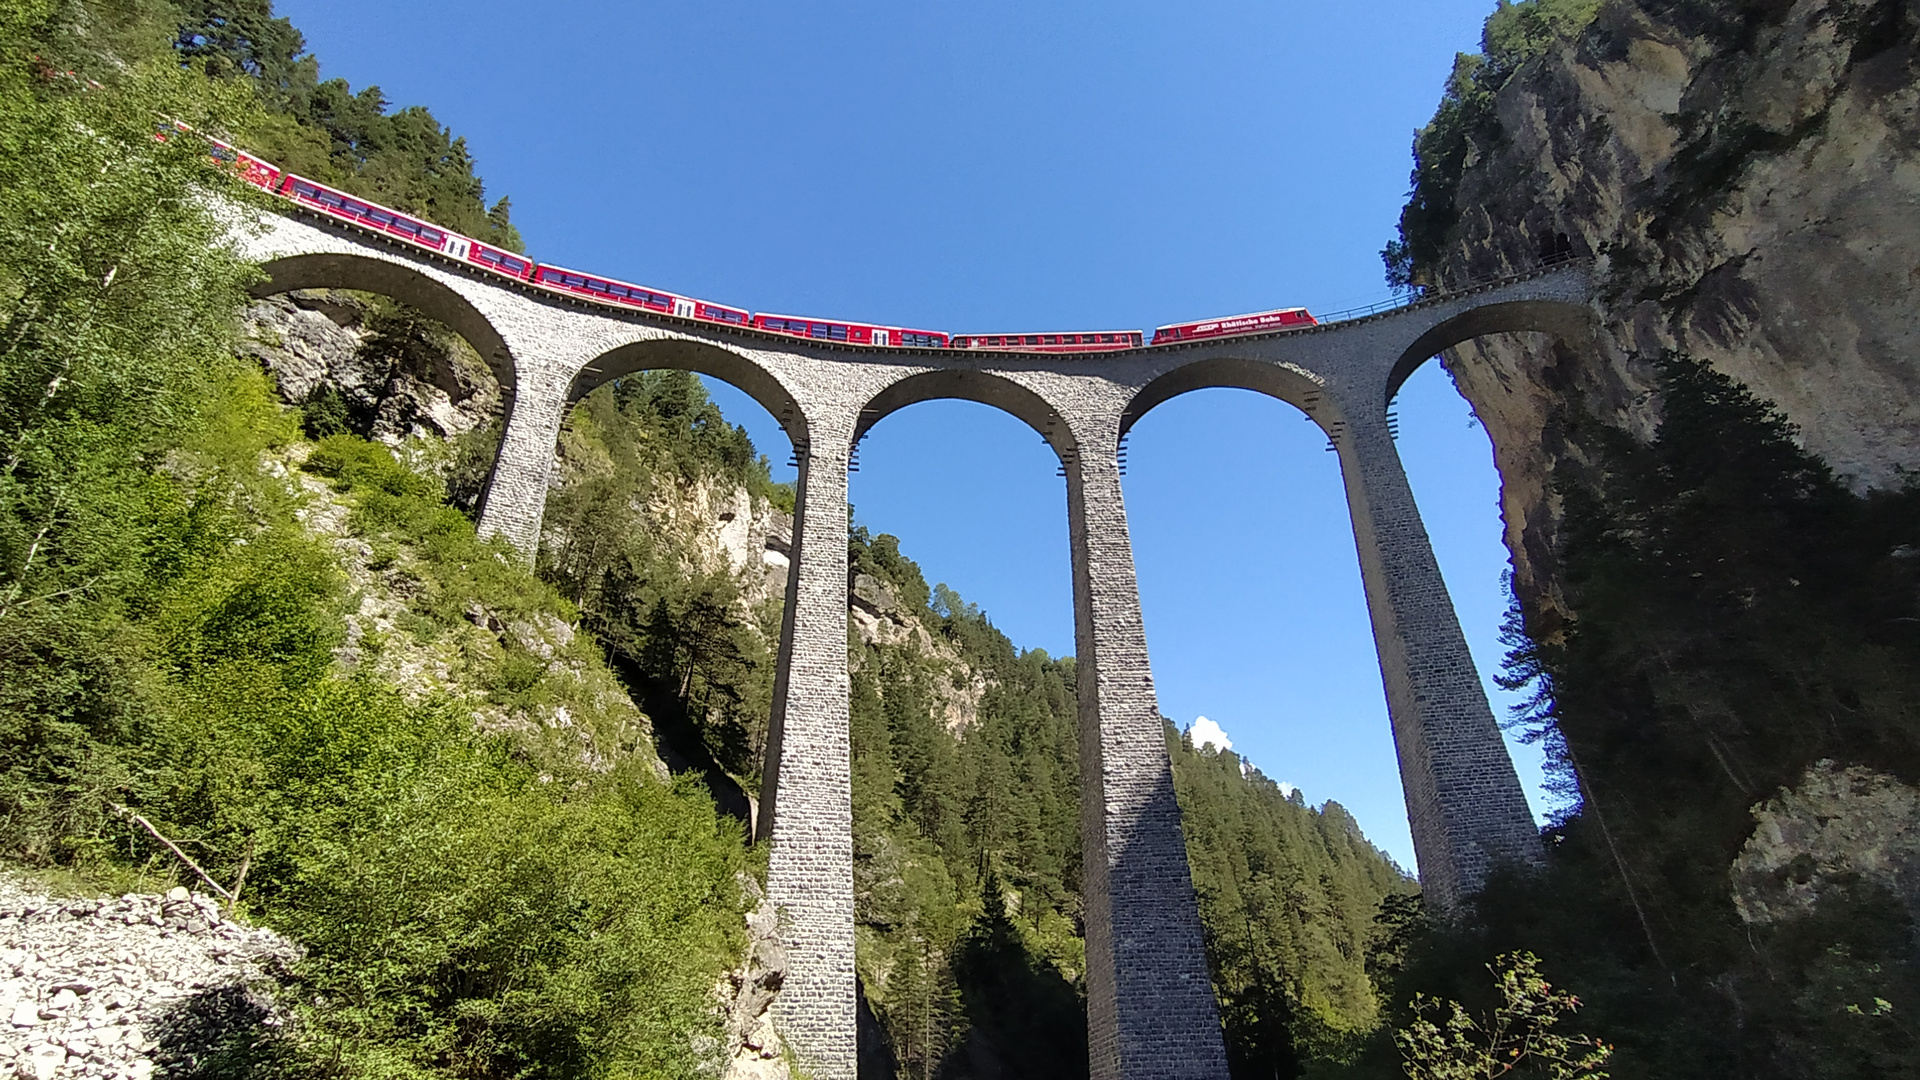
[(806, 806), (1150, 1008), (516, 496), (1464, 799)]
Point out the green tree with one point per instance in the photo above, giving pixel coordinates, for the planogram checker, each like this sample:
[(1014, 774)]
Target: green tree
[(1446, 1043), (326, 130)]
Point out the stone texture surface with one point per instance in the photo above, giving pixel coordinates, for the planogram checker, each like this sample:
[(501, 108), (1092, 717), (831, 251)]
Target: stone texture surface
[(1838, 828), (119, 987), (397, 380), (1749, 177), (754, 1049), (1464, 799), (806, 807), (1150, 1005)]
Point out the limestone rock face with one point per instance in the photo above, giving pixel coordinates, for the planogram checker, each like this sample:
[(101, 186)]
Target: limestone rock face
[(397, 378), (1837, 828), (881, 618), (1747, 177), (754, 1049)]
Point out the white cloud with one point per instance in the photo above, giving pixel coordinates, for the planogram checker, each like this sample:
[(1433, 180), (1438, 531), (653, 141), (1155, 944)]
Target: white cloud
[(1287, 789), (1207, 733)]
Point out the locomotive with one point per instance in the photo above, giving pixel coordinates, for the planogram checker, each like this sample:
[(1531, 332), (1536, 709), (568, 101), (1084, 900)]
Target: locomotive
[(371, 215)]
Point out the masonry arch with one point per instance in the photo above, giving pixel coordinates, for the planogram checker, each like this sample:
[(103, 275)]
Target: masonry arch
[(397, 281), (1293, 385), (1569, 322), (967, 384), (702, 358)]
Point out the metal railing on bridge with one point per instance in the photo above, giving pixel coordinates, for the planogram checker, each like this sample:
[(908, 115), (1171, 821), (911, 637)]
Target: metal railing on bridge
[(1435, 293)]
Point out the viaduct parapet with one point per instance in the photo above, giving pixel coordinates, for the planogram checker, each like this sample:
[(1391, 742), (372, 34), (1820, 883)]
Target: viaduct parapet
[(1151, 1011)]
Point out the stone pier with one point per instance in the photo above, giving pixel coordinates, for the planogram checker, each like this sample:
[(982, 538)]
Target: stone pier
[(1150, 1007)]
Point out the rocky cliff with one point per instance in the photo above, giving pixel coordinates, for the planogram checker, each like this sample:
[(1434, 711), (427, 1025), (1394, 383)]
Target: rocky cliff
[(1747, 178)]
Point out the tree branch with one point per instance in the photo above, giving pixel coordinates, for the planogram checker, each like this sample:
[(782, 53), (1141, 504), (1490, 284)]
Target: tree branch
[(171, 846)]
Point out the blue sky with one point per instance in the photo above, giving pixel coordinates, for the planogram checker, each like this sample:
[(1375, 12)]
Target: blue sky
[(1020, 166)]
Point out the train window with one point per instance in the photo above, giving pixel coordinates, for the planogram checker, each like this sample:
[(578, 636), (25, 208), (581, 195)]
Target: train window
[(597, 286), (575, 280), (837, 333)]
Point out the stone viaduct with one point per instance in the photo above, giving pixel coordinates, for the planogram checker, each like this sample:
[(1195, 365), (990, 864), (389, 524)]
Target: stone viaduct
[(1151, 1012)]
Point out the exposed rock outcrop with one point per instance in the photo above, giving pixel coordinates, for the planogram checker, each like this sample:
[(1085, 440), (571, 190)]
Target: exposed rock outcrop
[(1838, 828), (117, 987), (1748, 177), (399, 375), (754, 1050), (880, 618)]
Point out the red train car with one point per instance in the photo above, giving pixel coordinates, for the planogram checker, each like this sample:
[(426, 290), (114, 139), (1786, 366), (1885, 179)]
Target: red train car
[(1084, 341), (253, 170), (498, 260), (849, 332), (612, 291), (1259, 322), (339, 204)]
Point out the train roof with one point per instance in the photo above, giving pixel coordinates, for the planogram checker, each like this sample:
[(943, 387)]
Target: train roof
[(844, 322), (1040, 333), (1228, 318)]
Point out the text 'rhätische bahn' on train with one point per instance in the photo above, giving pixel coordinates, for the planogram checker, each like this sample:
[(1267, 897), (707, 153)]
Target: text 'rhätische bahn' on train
[(336, 204)]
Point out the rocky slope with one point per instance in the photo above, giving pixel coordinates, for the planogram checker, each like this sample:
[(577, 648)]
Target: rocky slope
[(117, 987), (1747, 177)]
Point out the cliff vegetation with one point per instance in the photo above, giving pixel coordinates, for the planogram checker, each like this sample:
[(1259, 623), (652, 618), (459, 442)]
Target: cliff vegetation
[(1711, 516)]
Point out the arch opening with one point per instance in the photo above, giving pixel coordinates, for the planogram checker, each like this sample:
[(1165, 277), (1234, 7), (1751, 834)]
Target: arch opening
[(665, 526), (713, 361), (1571, 323), (1259, 628), (964, 384), (402, 284), (964, 748), (1295, 386)]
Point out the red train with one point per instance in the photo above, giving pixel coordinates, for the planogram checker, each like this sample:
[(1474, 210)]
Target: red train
[(850, 332), (371, 215), (620, 292), (1259, 322), (1102, 341)]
